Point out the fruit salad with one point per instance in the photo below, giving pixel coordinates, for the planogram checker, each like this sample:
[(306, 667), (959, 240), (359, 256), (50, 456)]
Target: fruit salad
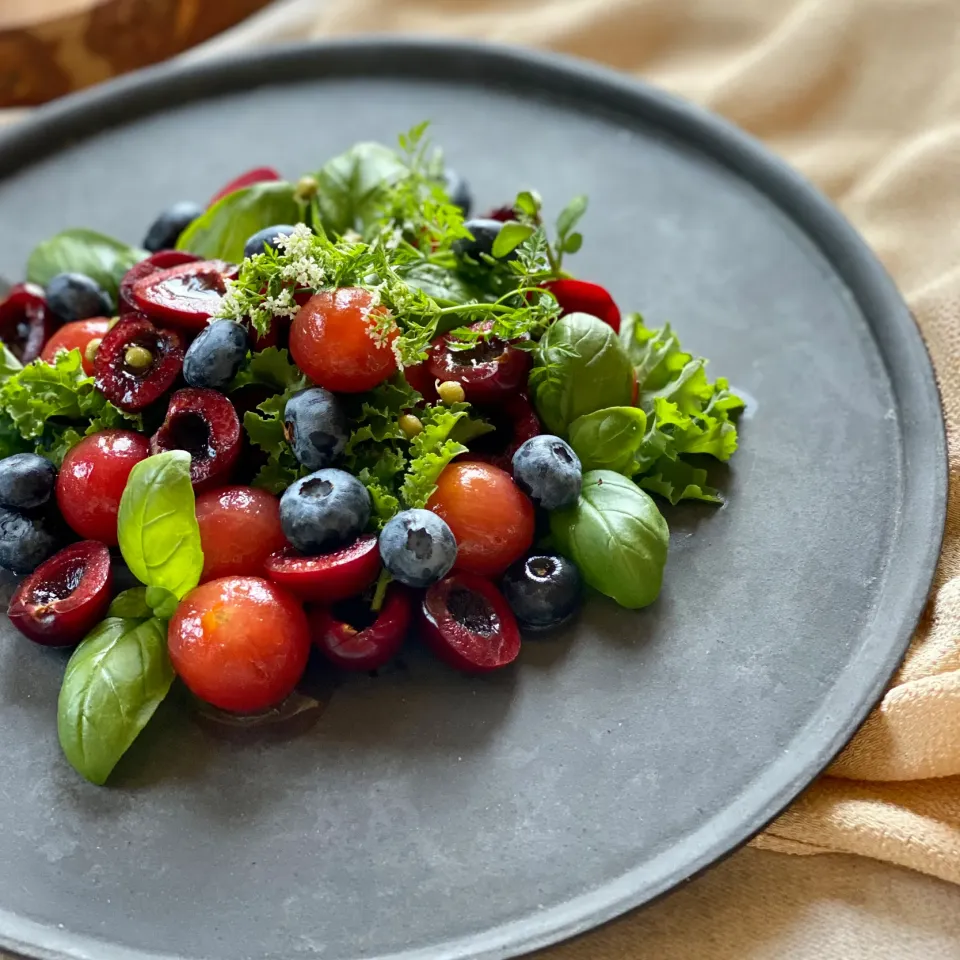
[(320, 419)]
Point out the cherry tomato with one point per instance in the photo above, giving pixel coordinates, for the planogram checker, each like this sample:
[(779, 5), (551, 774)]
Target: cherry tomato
[(91, 481), (492, 520), (581, 296), (240, 643), (76, 336), (239, 529), (332, 341)]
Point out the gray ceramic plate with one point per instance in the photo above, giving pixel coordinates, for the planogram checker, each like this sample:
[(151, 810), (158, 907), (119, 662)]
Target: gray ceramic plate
[(425, 814)]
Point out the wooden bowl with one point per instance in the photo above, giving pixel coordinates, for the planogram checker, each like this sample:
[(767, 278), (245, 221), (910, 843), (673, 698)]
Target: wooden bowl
[(50, 47)]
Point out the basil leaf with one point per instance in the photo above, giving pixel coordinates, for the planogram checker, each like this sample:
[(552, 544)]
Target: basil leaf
[(608, 439), (161, 602), (617, 538), (83, 251), (580, 367), (444, 286), (157, 524), (114, 683), (352, 184), (510, 237), (223, 231), (130, 605)]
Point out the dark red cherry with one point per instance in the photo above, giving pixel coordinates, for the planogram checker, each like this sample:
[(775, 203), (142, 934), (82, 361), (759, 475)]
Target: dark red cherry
[(514, 422), (503, 214), (420, 378), (488, 372), (206, 425), (65, 597), (186, 296), (581, 296), (136, 363), (359, 639), (468, 624), (328, 577), (25, 322), (161, 260), (248, 179)]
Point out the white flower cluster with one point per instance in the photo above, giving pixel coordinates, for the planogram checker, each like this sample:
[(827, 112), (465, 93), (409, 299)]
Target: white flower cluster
[(303, 269)]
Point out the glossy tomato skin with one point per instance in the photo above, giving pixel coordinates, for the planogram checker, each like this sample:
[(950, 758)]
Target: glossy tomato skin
[(239, 529), (240, 643), (76, 336), (491, 519), (582, 296), (91, 481), (331, 341)]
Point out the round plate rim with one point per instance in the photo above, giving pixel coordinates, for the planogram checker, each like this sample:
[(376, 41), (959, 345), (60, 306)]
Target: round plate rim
[(907, 363)]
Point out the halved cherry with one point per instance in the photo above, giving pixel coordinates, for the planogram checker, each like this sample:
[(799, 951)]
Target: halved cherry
[(186, 296), (468, 624), (514, 422), (329, 577), (358, 639), (76, 336), (65, 597), (420, 378), (205, 424), (25, 322), (161, 260), (581, 296), (248, 179), (488, 372), (136, 363)]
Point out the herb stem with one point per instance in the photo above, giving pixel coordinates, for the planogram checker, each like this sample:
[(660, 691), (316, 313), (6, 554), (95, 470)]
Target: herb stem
[(380, 593)]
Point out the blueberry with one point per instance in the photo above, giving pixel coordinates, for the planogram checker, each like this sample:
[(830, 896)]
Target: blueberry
[(26, 481), (75, 296), (265, 237), (25, 542), (548, 471), (214, 358), (418, 548), (543, 591), (165, 231), (324, 510), (316, 427), (485, 232), (458, 190)]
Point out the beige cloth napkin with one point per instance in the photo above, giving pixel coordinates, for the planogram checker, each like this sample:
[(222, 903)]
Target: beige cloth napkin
[(863, 96)]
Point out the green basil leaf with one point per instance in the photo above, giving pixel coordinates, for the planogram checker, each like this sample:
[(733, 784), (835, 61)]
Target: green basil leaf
[(510, 237), (162, 602), (570, 216), (580, 367), (157, 524), (131, 605), (444, 286), (114, 683), (223, 231), (352, 184), (617, 538), (608, 439), (83, 251)]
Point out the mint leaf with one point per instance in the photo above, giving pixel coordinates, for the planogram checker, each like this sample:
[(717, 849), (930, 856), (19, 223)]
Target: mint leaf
[(83, 251), (222, 232), (113, 684), (157, 524)]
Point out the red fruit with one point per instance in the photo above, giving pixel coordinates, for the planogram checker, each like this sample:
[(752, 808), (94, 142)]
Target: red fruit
[(503, 214), (161, 260), (515, 422), (488, 372), (129, 377), (420, 378), (248, 179), (491, 519), (76, 336), (468, 624), (240, 643), (65, 597), (332, 341), (581, 296), (186, 296), (364, 647), (25, 322), (239, 529), (205, 424), (92, 478), (329, 577)]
